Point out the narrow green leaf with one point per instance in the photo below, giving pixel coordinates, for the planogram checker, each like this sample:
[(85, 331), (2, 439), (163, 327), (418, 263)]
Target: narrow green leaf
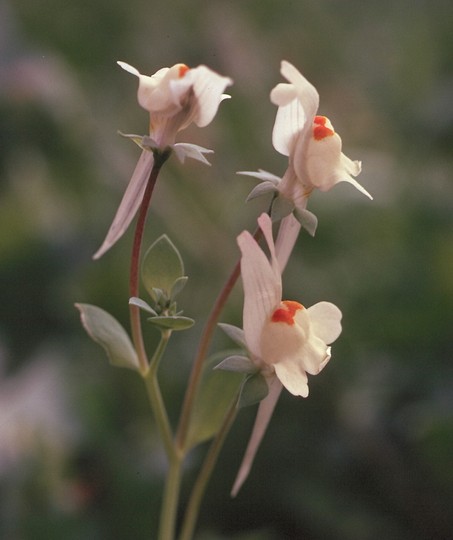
[(172, 322), (307, 219), (234, 333), (253, 390), (178, 286), (261, 189), (158, 295), (281, 207), (162, 266), (134, 301), (217, 391), (108, 332)]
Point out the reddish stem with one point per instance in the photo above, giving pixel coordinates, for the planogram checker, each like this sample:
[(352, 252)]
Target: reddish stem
[(203, 347), (136, 328)]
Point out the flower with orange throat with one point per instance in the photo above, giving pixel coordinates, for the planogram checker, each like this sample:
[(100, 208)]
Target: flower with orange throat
[(285, 340), (175, 98), (314, 149)]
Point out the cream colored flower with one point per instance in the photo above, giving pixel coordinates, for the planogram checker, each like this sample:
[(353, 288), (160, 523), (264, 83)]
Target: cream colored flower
[(309, 140), (177, 96), (285, 340), (174, 97), (282, 337), (315, 159)]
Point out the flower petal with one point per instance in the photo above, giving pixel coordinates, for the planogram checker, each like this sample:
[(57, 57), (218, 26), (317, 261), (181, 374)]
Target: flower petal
[(262, 285), (264, 414), (295, 115), (283, 94), (314, 355), (325, 319), (208, 87), (130, 202), (289, 123), (322, 164), (286, 239), (265, 223), (306, 92), (293, 344), (293, 377), (170, 94)]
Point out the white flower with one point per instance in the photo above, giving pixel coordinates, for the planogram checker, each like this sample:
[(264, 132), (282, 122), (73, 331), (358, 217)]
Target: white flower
[(282, 337), (285, 340), (177, 96), (310, 141), (311, 144), (174, 97)]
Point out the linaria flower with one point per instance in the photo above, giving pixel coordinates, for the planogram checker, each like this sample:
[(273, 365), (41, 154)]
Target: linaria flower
[(174, 97), (311, 144), (284, 340), (282, 337)]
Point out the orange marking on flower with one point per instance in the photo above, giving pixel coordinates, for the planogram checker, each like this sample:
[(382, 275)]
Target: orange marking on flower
[(320, 120), (320, 130), (183, 69), (287, 312)]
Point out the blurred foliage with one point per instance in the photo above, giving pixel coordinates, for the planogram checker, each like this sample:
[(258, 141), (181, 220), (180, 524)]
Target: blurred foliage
[(368, 455)]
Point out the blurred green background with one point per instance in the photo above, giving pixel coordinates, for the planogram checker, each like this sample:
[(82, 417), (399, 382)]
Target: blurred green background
[(369, 454)]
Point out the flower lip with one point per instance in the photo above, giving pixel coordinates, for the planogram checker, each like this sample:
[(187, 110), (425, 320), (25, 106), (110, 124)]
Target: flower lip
[(320, 129), (183, 69), (286, 312)]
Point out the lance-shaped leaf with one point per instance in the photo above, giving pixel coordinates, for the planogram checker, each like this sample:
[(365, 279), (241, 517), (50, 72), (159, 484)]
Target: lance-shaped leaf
[(134, 301), (162, 266), (217, 391), (307, 219), (234, 333), (281, 207), (108, 332)]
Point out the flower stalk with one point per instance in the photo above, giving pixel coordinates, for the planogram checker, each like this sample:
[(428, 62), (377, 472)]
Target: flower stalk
[(202, 351), (134, 276), (155, 395), (193, 507)]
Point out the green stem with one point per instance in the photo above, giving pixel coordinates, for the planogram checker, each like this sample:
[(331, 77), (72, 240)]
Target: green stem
[(203, 347), (193, 508), (171, 497), (155, 395)]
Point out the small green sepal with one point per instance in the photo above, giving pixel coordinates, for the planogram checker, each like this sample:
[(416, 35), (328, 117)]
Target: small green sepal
[(262, 189), (237, 363), (254, 389), (234, 333), (281, 207), (307, 219), (134, 301)]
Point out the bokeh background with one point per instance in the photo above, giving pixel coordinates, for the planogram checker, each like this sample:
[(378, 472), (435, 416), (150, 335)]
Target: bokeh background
[(369, 454)]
